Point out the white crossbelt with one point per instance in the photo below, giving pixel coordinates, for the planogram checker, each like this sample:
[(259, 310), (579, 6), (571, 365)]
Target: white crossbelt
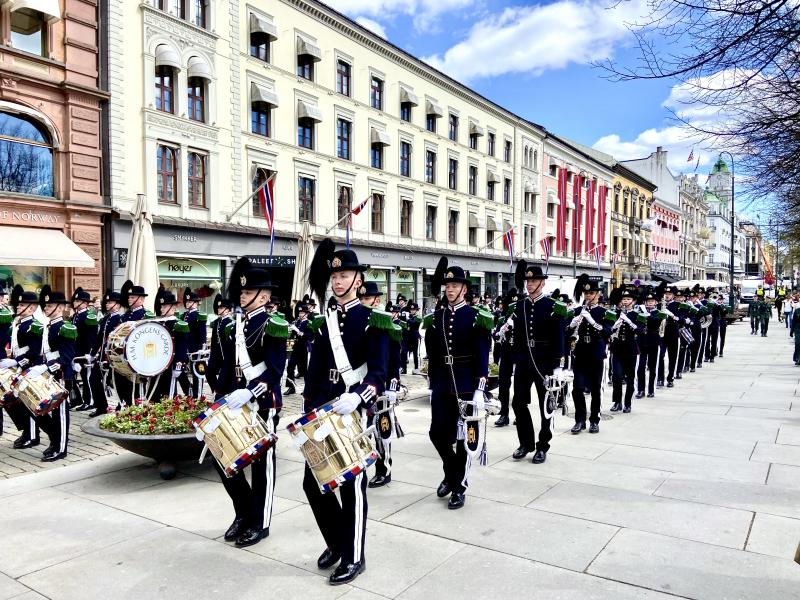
[(349, 375), (249, 370)]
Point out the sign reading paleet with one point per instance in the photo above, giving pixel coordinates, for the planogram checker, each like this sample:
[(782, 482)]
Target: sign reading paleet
[(188, 268)]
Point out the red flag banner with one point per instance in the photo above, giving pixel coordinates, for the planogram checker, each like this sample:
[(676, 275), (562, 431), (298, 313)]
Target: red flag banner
[(577, 188), (601, 219), (561, 226), (587, 237)]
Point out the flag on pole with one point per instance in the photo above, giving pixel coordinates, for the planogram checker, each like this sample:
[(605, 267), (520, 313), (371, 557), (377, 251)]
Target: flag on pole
[(614, 258), (349, 219), (360, 207), (698, 164), (545, 244), (596, 251), (266, 197), (691, 156), (508, 242)]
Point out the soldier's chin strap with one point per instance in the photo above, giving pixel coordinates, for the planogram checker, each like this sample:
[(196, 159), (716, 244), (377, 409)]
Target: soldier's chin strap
[(349, 288)]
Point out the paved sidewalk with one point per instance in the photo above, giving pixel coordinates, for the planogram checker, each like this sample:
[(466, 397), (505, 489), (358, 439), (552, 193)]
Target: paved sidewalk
[(695, 494)]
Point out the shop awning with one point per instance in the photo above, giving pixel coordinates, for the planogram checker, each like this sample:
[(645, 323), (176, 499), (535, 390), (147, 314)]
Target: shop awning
[(262, 27), (665, 277), (47, 7), (40, 248), (408, 97)]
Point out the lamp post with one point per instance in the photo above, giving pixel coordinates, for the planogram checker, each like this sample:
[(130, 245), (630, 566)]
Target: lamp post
[(731, 300)]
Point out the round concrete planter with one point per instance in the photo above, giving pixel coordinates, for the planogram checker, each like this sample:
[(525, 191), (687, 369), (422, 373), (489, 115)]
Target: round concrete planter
[(166, 450)]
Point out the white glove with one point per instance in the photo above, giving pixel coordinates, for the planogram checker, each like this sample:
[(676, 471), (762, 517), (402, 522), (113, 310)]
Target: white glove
[(54, 367), (238, 398), (346, 403), (479, 398), (37, 370), (558, 373), (597, 326), (391, 397), (7, 363), (617, 325), (88, 358), (575, 322), (75, 367)]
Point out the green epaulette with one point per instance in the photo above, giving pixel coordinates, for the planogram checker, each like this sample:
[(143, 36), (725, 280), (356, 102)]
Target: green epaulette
[(662, 315), (693, 309), (6, 316), (68, 331), (181, 326), (511, 308), (37, 328), (427, 322), (277, 327), (396, 333), (203, 317), (610, 316), (379, 319), (403, 325), (560, 309), (641, 318), (484, 318), (149, 314), (229, 329), (414, 319), (317, 323), (91, 318)]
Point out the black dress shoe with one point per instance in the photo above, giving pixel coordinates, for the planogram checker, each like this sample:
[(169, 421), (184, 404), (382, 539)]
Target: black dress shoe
[(700, 365), (327, 559), (19, 441), (54, 456), (502, 421), (28, 444), (83, 407), (627, 409), (659, 384), (236, 529), (539, 457), (640, 394), (691, 370), (48, 451), (670, 384), (443, 489), (345, 573), (289, 391), (720, 355), (678, 376), (251, 536), (379, 480), (96, 413), (520, 452), (616, 407), (577, 428), (594, 428), (456, 501), (651, 395)]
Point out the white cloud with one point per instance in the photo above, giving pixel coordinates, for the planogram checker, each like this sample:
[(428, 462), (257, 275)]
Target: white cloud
[(424, 13), (373, 26), (534, 39)]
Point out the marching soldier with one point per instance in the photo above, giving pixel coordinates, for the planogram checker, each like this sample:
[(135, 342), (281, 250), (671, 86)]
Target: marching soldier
[(713, 328), (723, 325), (26, 351), (504, 341), (58, 349), (101, 377), (132, 299), (411, 335), (683, 325), (591, 333), (624, 348), (166, 304), (457, 338), (298, 361), (216, 372), (255, 351), (670, 342), (649, 343), (354, 373), (696, 317), (198, 332), (540, 349), (85, 321), (6, 321)]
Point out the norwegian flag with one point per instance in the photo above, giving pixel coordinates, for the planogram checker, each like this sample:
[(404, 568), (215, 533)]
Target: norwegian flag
[(508, 242), (266, 197), (691, 156), (596, 252), (362, 206), (349, 218), (546, 247)]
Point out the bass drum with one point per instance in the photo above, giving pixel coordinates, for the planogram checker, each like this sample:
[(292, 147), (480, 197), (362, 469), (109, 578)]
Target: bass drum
[(140, 348)]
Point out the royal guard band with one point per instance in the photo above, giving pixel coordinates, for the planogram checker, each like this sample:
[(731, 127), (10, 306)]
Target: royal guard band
[(504, 342), (297, 364), (6, 323), (649, 320), (132, 300), (26, 352), (84, 318), (624, 347), (102, 376), (668, 353), (217, 375), (684, 324), (348, 363), (411, 335), (254, 347), (166, 385), (457, 339), (590, 331), (539, 348), (198, 334), (58, 352)]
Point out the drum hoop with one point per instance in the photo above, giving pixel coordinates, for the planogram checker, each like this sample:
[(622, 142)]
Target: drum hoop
[(125, 348)]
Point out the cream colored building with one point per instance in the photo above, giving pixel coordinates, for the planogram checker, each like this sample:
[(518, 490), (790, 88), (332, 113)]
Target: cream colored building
[(209, 98)]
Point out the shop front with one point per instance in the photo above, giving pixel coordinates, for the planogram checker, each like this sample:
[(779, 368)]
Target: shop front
[(206, 277)]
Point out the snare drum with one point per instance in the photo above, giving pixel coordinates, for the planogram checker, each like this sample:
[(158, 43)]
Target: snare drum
[(233, 439), (335, 446), (7, 397), (42, 394), (140, 348)]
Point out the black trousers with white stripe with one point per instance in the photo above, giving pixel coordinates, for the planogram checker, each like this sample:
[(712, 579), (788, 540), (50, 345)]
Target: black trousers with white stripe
[(56, 425), (253, 502), (343, 526), (23, 421)]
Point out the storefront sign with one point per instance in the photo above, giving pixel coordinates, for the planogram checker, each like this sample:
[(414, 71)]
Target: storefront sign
[(277, 261), (188, 268), (29, 217)]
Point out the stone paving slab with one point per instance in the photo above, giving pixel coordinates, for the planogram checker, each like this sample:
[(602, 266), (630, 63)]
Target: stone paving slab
[(632, 510), (694, 570), (788, 435), (777, 453), (784, 476), (11, 588), (776, 536)]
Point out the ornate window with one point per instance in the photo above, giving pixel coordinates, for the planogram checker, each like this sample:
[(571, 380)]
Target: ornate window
[(26, 156), (167, 170)]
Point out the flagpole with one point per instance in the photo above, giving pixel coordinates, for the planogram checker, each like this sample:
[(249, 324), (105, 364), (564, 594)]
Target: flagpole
[(493, 241), (251, 196), (349, 214)]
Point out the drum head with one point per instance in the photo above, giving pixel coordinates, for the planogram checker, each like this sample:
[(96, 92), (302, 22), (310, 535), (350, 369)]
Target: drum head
[(149, 349)]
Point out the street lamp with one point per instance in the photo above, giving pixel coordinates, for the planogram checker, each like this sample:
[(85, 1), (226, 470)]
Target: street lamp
[(733, 233)]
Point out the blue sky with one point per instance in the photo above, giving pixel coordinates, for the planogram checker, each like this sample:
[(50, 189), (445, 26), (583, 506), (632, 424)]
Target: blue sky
[(535, 59)]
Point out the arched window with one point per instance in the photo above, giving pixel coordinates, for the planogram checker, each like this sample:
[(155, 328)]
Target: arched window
[(165, 89), (167, 172), (26, 156)]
